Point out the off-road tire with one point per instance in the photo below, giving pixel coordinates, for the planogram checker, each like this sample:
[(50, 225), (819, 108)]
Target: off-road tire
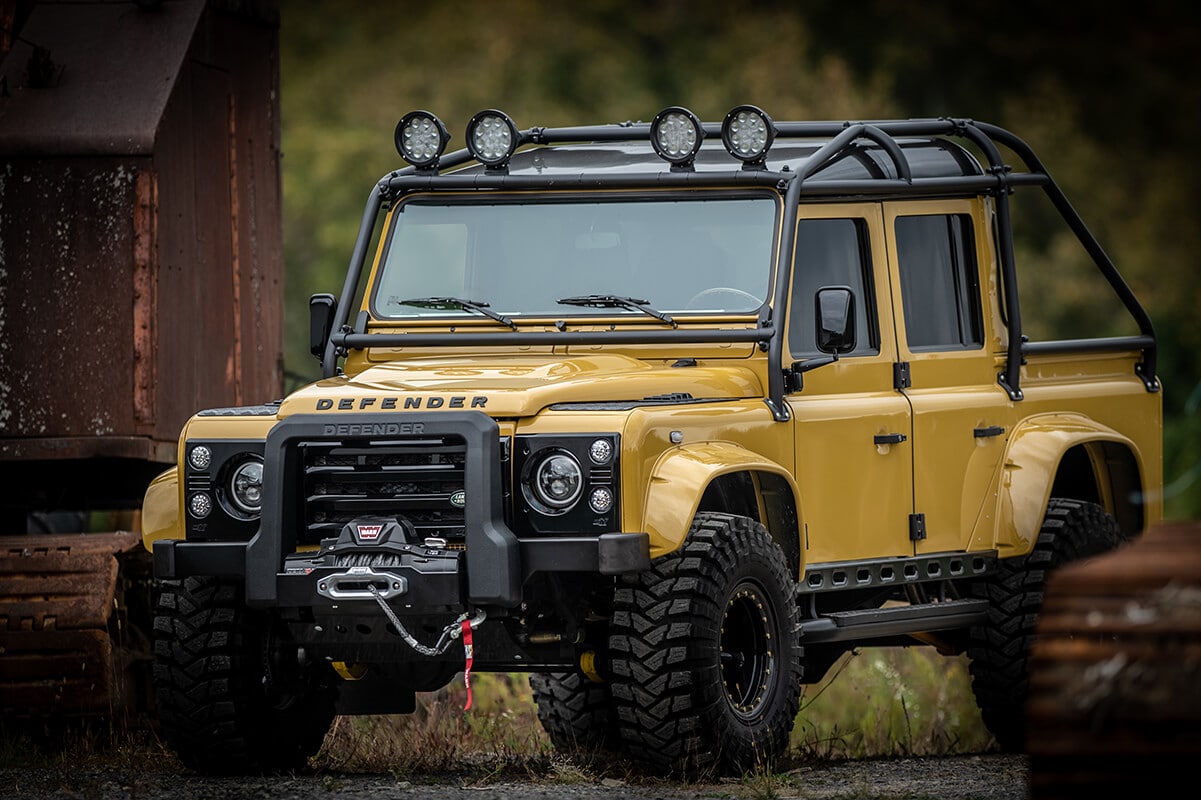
[(999, 651), (684, 700), (222, 706), (576, 713)]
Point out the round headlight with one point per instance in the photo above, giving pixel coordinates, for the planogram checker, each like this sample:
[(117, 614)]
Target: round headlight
[(747, 133), (420, 138), (491, 137), (600, 451), (200, 505), (245, 487), (600, 499), (557, 481), (200, 457), (676, 135)]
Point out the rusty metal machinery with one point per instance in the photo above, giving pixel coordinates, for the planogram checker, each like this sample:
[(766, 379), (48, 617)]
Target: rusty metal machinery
[(74, 622), (139, 215), (1115, 686)]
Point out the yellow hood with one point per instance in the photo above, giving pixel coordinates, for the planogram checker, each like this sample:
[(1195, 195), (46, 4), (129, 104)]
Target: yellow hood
[(514, 386)]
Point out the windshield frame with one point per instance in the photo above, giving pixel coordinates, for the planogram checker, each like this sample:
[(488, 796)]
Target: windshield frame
[(766, 267)]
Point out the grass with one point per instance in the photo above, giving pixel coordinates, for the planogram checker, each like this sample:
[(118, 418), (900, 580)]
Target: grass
[(875, 703), (884, 702)]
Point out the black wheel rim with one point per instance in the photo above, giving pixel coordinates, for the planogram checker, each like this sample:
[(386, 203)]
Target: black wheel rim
[(748, 650)]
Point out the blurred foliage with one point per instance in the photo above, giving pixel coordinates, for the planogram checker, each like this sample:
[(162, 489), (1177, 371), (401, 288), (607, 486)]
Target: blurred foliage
[(1108, 95)]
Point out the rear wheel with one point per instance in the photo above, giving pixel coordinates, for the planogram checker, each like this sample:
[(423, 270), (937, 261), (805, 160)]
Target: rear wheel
[(231, 696), (704, 653), (576, 713), (1000, 649)]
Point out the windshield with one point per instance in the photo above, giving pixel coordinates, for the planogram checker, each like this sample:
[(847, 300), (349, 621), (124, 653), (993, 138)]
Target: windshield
[(520, 257)]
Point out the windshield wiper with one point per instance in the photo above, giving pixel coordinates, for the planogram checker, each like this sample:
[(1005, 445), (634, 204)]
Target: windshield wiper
[(446, 303), (616, 301)]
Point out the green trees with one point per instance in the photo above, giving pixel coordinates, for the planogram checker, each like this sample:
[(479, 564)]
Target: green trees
[(1109, 99)]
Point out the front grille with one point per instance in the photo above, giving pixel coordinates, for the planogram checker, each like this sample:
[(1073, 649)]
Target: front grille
[(412, 479)]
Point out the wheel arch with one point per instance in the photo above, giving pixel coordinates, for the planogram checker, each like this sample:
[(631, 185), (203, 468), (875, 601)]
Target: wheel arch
[(720, 476), (160, 509), (1069, 456)]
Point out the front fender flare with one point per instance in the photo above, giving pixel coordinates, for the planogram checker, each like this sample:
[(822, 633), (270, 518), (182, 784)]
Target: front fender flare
[(160, 509), (679, 479)]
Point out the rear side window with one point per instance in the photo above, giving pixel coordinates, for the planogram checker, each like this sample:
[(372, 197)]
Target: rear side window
[(940, 288), (831, 252)]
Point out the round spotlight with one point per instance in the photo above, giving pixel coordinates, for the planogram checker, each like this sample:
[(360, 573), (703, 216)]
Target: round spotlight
[(492, 137), (421, 138), (676, 135), (747, 133)]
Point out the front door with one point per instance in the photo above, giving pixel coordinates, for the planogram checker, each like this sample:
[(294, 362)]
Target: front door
[(852, 428)]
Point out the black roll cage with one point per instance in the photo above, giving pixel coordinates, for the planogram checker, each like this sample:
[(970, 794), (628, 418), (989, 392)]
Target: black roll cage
[(999, 180)]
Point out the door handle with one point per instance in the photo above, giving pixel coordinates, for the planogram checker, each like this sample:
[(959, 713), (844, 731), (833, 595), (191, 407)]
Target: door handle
[(991, 430), (889, 438)]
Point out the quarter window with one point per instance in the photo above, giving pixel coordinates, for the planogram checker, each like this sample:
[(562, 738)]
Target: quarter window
[(940, 288)]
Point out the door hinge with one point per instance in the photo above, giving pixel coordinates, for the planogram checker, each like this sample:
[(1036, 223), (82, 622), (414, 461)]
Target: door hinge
[(900, 375), (917, 527)]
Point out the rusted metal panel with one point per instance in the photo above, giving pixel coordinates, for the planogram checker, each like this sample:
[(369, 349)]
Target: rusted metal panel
[(1115, 673), (145, 298), (154, 281), (63, 598), (113, 69), (44, 672), (66, 306), (59, 581)]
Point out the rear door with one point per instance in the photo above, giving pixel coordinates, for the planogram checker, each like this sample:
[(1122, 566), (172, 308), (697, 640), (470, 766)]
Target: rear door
[(949, 341)]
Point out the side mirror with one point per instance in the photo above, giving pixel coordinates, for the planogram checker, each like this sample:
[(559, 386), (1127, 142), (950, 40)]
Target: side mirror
[(834, 316), (321, 320)]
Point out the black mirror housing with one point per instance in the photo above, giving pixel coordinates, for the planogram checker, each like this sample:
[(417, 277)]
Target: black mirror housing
[(321, 320), (834, 316)]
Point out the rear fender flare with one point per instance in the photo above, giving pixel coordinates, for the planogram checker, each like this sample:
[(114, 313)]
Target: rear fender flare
[(1031, 462)]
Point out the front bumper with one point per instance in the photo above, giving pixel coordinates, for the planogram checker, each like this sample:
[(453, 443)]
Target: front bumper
[(489, 570), (607, 554)]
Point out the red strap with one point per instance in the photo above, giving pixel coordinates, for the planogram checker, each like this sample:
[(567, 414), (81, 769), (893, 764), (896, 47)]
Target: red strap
[(469, 654)]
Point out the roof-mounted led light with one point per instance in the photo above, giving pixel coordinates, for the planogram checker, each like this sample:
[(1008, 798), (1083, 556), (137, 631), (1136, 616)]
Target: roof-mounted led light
[(747, 133), (421, 138), (492, 138), (676, 135)]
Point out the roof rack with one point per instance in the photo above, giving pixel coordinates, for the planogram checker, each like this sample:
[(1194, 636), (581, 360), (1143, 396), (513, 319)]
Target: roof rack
[(841, 139)]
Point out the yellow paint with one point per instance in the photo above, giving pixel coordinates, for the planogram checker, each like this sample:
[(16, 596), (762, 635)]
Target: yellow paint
[(853, 496)]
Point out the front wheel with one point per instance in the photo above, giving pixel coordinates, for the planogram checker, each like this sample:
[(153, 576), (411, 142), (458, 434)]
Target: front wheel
[(231, 696), (576, 713), (704, 652)]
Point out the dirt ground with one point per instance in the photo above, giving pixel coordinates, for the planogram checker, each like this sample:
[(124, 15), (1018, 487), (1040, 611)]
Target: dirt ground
[(978, 777)]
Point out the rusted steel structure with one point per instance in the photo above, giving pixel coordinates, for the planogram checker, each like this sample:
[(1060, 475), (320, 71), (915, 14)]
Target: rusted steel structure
[(1115, 691), (139, 215)]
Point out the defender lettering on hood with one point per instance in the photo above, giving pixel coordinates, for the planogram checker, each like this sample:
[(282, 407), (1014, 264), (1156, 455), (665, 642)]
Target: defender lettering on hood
[(394, 404)]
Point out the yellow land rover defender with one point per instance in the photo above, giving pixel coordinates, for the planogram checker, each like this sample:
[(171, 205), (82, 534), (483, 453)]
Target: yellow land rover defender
[(667, 415)]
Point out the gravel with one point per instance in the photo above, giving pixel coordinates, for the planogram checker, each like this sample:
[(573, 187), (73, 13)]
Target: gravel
[(978, 777)]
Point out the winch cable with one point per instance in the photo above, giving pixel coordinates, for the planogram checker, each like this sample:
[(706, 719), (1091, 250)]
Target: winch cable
[(449, 633)]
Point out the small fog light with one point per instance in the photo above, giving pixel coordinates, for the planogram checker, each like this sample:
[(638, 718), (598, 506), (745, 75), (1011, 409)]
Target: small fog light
[(601, 499), (200, 505)]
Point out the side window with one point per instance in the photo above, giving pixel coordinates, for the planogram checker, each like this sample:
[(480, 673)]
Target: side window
[(831, 252), (940, 289)]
